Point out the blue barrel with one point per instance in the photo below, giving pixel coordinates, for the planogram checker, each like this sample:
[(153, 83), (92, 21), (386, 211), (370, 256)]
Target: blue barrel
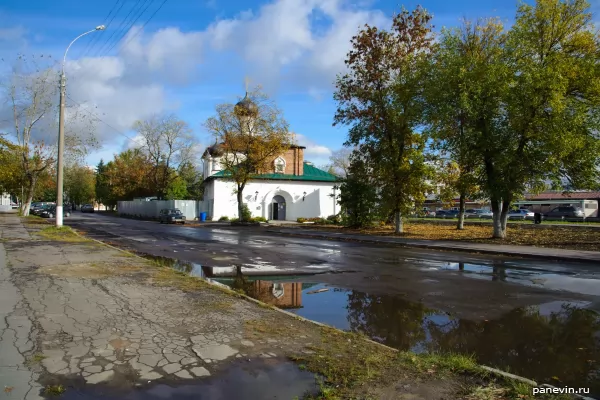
[(202, 217)]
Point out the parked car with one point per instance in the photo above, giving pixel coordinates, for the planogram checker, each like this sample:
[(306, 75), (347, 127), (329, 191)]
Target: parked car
[(39, 207), (520, 214), (478, 213), (50, 212), (14, 205), (171, 216), (565, 211), (87, 208), (446, 214)]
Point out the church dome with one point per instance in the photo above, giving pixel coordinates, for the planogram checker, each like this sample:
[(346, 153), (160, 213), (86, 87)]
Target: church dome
[(246, 107)]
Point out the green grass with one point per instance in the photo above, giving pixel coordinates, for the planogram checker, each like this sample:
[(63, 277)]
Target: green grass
[(61, 234), (54, 390), (489, 221)]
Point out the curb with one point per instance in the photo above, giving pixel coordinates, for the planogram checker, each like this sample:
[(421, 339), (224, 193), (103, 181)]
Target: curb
[(440, 247), (228, 290)]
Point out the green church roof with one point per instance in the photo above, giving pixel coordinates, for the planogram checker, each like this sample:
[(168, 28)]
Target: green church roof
[(311, 174)]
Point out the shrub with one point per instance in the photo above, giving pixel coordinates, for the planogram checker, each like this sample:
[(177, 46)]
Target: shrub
[(246, 214), (223, 218), (334, 219), (259, 219), (301, 220)]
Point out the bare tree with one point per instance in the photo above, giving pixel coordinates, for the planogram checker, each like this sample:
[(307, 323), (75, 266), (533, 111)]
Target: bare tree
[(340, 161), (251, 134), (169, 143), (31, 93), (31, 96)]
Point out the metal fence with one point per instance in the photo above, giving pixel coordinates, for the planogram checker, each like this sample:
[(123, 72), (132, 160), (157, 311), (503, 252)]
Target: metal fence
[(150, 209)]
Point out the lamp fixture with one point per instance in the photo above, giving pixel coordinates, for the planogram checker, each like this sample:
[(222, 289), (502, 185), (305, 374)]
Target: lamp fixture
[(255, 195), (303, 196)]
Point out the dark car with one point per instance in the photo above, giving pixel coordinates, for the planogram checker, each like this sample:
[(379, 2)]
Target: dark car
[(87, 208), (50, 212), (171, 216), (446, 214), (38, 208), (565, 211)]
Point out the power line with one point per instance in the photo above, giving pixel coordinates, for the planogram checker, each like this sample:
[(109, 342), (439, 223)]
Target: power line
[(94, 39), (101, 120), (146, 23), (123, 23), (130, 26)]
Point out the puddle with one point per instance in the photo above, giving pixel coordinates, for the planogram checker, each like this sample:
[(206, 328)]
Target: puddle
[(556, 339), (256, 380), (557, 342)]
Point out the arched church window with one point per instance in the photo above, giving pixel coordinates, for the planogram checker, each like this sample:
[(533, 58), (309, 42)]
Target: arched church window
[(279, 165)]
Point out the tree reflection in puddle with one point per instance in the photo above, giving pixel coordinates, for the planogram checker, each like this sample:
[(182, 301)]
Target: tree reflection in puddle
[(562, 344)]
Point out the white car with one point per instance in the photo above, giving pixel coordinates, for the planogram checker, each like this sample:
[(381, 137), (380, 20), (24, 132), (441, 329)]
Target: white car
[(520, 214)]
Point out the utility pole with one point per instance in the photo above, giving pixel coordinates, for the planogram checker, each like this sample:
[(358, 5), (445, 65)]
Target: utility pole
[(61, 132)]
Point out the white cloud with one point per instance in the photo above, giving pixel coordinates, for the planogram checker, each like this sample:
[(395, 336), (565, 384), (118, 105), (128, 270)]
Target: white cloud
[(301, 41), (314, 152)]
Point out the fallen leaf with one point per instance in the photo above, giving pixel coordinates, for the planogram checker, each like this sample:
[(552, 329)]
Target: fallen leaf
[(8, 389)]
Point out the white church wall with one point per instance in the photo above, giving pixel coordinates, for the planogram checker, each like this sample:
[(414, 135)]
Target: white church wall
[(316, 203)]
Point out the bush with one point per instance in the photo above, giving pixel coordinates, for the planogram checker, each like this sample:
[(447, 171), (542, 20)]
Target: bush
[(301, 220), (224, 218), (334, 219), (246, 214), (259, 219)]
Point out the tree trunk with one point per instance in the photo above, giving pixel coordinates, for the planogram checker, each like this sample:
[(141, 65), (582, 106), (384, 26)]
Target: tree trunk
[(504, 215), (500, 217), (240, 200), (496, 211), (399, 223), (461, 213), (30, 193)]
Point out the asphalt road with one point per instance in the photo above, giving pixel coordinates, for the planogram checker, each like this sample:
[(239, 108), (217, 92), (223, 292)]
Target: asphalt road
[(485, 288)]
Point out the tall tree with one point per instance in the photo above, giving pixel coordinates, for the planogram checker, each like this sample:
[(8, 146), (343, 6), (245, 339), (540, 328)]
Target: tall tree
[(530, 100), (358, 194), (192, 176), (251, 133), (31, 90), (11, 176), (102, 188), (381, 97), (129, 175), (169, 143), (80, 184), (340, 161)]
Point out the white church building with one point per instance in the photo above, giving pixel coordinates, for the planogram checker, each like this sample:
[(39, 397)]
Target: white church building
[(292, 189)]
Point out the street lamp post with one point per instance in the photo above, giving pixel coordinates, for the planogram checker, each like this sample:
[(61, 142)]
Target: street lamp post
[(61, 131)]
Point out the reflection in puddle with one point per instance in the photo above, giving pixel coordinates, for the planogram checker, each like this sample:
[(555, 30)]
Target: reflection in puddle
[(256, 380), (544, 342), (557, 339)]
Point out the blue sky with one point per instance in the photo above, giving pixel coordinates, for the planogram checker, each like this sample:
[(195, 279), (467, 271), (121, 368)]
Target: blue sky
[(195, 54)]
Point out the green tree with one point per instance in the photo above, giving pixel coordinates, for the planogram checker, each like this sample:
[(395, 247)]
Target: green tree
[(129, 175), (11, 176), (529, 98), (251, 134), (358, 194), (381, 98), (192, 176), (177, 189), (102, 188), (80, 184)]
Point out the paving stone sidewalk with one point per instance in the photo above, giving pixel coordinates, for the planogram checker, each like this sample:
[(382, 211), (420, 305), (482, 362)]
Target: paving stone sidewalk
[(80, 313)]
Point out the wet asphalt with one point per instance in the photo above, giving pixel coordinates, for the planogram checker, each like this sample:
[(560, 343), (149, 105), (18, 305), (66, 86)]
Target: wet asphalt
[(476, 287), (536, 318)]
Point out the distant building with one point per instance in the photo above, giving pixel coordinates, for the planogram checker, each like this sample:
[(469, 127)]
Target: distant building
[(292, 189)]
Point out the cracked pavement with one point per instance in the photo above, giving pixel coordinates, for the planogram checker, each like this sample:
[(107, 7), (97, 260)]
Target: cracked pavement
[(81, 313)]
